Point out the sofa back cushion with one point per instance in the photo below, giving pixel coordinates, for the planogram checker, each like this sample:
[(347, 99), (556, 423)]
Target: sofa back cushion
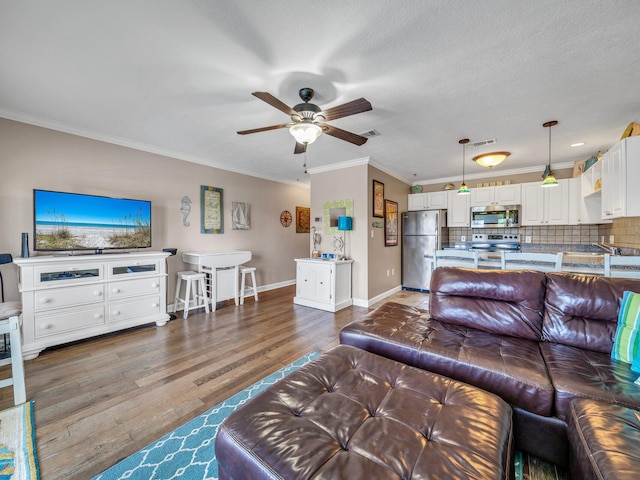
[(496, 301), (582, 310)]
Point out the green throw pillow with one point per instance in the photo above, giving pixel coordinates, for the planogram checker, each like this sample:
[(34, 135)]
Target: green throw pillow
[(626, 343)]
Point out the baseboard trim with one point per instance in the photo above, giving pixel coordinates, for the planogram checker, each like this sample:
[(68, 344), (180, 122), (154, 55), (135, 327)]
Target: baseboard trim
[(359, 302)]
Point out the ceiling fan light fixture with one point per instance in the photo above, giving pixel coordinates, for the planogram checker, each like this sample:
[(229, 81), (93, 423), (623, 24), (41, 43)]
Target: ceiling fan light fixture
[(305, 132), (491, 159)]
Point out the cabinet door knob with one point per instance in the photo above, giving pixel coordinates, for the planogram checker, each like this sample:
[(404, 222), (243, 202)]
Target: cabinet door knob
[(97, 293), (154, 305), (46, 326), (155, 285), (116, 290), (44, 300), (97, 316), (116, 312)]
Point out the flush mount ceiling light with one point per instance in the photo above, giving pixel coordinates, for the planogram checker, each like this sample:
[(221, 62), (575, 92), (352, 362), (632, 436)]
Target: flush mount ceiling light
[(305, 132), (463, 190), (491, 159), (549, 178)]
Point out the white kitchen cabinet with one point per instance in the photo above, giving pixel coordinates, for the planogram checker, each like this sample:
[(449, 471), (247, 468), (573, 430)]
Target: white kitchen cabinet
[(69, 298), (584, 203), (620, 173), (498, 195), (323, 284), (545, 206), (427, 201), (459, 210)]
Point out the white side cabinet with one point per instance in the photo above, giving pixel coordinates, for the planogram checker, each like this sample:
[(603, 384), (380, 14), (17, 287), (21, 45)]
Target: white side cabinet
[(70, 298), (323, 284), (620, 173)]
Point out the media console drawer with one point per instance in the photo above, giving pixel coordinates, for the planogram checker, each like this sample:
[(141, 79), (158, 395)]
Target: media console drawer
[(66, 321), (132, 288), (134, 308), (69, 296)]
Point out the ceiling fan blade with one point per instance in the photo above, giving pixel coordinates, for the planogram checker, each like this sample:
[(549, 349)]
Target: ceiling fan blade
[(343, 134), (274, 102), (350, 108), (300, 148), (264, 129)]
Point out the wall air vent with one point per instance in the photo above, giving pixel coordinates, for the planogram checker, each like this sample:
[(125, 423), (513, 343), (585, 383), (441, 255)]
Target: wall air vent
[(483, 143), (370, 133)]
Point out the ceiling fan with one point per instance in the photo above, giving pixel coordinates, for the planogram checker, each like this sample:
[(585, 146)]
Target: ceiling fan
[(307, 119)]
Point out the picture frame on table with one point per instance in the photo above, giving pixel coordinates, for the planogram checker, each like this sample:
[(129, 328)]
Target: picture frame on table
[(390, 223), (378, 199)]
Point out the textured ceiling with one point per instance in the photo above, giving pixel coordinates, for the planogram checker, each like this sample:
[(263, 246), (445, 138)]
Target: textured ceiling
[(175, 77)]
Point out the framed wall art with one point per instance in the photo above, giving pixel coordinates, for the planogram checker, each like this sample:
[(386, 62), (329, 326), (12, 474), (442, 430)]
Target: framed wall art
[(211, 213), (390, 223), (378, 199), (303, 219), (240, 216)]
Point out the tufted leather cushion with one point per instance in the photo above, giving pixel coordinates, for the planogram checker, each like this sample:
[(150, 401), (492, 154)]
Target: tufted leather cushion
[(502, 302), (351, 414), (605, 441), (582, 310), (576, 372), (510, 367)]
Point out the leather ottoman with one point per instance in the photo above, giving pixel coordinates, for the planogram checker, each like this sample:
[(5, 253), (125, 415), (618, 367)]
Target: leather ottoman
[(604, 439), (352, 414)]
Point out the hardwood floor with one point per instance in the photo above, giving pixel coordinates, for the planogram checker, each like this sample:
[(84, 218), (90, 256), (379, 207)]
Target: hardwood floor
[(100, 400)]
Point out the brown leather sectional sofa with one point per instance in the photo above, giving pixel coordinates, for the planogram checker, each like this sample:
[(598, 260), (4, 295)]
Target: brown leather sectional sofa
[(538, 340)]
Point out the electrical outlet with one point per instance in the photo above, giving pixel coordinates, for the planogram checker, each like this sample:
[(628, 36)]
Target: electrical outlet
[(611, 239), (393, 272), (372, 233), (527, 239), (463, 238), (387, 272)]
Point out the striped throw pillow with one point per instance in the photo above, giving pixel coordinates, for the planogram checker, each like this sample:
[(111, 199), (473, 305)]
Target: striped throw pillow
[(626, 343)]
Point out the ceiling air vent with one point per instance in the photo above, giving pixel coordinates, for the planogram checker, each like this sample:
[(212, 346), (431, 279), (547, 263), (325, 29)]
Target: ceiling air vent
[(483, 143), (371, 133)]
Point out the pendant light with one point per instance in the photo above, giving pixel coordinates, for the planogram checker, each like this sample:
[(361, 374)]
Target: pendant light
[(549, 178), (463, 190)]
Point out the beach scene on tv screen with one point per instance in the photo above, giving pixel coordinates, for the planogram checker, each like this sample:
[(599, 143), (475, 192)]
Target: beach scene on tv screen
[(69, 221)]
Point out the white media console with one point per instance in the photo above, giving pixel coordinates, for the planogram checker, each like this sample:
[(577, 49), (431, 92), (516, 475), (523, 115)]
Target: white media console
[(68, 298)]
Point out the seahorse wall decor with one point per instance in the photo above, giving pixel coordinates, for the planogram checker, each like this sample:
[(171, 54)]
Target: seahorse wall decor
[(185, 209)]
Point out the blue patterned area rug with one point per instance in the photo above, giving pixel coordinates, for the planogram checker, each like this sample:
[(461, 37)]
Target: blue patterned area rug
[(18, 458), (187, 452)]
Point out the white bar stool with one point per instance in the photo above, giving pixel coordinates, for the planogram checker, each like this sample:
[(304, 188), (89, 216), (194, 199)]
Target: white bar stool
[(10, 323), (252, 288), (194, 289)]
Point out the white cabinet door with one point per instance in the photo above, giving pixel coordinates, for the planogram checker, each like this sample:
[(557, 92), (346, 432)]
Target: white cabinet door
[(508, 195), (556, 204), (459, 210), (532, 211), (482, 197), (306, 281), (437, 200), (620, 173), (417, 201), (324, 283)]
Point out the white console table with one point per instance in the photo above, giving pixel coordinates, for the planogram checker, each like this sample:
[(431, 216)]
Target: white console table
[(68, 298), (323, 284)]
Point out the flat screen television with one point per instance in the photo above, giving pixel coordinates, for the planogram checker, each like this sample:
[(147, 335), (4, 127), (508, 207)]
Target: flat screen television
[(73, 221)]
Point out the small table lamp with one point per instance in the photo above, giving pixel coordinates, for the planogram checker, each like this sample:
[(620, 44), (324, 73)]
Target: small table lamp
[(345, 224)]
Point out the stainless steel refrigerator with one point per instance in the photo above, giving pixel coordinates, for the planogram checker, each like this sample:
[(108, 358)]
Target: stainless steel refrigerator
[(423, 232)]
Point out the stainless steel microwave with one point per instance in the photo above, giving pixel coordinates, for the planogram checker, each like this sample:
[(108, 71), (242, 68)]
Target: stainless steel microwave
[(495, 216)]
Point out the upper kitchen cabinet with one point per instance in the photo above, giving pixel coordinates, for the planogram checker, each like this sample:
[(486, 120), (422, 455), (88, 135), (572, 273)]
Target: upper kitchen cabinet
[(545, 206), (620, 174), (459, 210), (584, 202), (428, 201), (499, 195)]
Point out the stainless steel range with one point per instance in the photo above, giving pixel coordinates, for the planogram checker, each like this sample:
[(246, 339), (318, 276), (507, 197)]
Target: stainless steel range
[(495, 242)]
